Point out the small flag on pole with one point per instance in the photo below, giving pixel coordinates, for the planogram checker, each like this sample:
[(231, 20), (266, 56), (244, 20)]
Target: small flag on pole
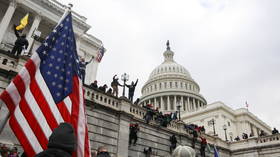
[(23, 22), (100, 54), (247, 105)]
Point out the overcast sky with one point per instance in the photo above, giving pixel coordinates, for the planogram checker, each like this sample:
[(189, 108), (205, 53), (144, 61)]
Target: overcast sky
[(230, 47)]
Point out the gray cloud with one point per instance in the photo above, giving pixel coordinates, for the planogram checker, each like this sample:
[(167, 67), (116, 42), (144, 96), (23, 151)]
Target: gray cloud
[(231, 51)]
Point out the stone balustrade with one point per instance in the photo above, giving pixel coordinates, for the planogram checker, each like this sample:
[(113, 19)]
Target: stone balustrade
[(101, 98), (138, 111), (255, 142), (269, 139)]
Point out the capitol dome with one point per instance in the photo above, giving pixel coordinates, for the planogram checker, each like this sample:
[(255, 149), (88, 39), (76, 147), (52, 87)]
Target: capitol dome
[(171, 85)]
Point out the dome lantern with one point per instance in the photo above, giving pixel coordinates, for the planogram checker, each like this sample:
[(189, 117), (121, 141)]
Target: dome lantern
[(168, 54)]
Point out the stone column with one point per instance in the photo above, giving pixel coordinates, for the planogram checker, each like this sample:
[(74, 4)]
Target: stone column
[(149, 101), (7, 19), (175, 103), (194, 105), (182, 103), (34, 27), (161, 102), (188, 104), (155, 102), (168, 103)]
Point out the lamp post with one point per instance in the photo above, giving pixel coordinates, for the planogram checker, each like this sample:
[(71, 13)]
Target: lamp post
[(124, 78), (179, 110), (213, 123), (225, 128)]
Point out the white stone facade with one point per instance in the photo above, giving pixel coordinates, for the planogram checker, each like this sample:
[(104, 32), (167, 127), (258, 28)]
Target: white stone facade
[(171, 85), (43, 17), (237, 121)]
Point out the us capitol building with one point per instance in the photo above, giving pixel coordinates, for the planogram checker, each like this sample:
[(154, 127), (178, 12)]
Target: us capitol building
[(169, 88)]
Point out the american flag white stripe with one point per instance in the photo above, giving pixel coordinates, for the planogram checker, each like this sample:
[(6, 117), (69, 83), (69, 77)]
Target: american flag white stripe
[(25, 77), (27, 130), (68, 104), (48, 96), (13, 92), (38, 113)]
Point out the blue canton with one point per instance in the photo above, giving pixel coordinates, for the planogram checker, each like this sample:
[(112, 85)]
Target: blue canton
[(59, 59)]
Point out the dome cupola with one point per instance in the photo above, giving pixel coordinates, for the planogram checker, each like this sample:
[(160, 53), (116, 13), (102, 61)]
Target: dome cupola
[(170, 84)]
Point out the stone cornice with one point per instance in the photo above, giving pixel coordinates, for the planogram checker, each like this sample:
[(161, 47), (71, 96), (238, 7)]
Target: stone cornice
[(53, 10), (171, 93)]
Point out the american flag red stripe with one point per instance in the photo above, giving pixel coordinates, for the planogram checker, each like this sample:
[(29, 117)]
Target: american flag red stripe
[(34, 113)]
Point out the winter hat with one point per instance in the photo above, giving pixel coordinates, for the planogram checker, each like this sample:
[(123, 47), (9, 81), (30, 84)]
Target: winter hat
[(183, 151), (63, 137)]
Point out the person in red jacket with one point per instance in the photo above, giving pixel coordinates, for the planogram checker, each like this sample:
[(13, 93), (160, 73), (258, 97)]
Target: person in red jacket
[(203, 146)]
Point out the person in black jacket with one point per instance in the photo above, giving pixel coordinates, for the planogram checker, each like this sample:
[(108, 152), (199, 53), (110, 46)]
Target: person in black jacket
[(173, 142), (131, 89), (20, 44), (62, 142), (83, 65)]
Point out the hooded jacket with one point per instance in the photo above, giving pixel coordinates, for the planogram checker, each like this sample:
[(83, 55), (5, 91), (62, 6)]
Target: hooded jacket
[(62, 142)]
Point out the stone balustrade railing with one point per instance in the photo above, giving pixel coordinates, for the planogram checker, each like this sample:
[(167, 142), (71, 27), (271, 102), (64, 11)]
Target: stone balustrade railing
[(102, 98), (120, 104), (269, 138), (254, 142)]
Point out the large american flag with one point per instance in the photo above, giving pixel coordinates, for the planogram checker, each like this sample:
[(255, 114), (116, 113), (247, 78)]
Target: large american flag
[(48, 91)]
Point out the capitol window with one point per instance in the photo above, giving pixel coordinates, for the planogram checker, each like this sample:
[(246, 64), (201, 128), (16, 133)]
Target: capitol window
[(176, 84), (165, 84), (159, 85), (170, 84), (155, 87)]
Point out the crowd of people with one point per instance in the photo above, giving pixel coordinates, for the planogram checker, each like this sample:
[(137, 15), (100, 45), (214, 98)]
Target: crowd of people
[(9, 152), (162, 119), (114, 90)]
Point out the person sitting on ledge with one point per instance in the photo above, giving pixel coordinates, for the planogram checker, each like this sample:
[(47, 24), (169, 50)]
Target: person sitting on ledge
[(109, 91), (245, 136), (94, 85), (103, 88), (237, 138), (275, 131)]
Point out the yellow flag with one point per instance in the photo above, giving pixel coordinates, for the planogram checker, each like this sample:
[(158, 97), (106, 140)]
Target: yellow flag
[(23, 22)]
